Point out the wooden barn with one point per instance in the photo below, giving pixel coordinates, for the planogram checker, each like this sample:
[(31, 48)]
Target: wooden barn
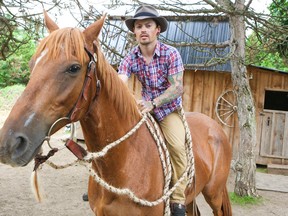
[(209, 90)]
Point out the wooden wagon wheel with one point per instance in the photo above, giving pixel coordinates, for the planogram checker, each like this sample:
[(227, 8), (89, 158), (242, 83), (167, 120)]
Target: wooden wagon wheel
[(226, 108)]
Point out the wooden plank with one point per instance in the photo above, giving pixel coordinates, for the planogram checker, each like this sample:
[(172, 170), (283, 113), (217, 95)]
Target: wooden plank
[(188, 90), (285, 138), (266, 134), (277, 81), (271, 136), (223, 83), (197, 96), (277, 169), (218, 90), (285, 82), (277, 132), (208, 93)]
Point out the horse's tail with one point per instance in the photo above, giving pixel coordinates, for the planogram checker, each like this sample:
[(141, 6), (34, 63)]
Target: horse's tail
[(226, 205)]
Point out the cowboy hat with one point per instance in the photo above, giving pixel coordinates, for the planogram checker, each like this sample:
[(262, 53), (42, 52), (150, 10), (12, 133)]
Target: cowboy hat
[(146, 12)]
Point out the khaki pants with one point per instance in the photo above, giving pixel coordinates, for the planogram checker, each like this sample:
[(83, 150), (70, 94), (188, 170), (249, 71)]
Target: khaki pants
[(174, 132)]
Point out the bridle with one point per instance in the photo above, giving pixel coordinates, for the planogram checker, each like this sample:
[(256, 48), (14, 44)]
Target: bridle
[(83, 97), (77, 150)]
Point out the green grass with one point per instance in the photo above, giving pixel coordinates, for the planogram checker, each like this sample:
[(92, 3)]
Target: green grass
[(244, 201), (9, 95)]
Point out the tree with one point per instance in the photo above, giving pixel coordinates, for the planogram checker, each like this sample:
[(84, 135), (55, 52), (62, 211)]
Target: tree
[(260, 54), (24, 15), (278, 9), (267, 47), (245, 183), (15, 69)]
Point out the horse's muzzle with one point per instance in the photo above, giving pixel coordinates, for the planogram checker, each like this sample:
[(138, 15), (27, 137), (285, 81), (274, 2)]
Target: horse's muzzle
[(16, 149)]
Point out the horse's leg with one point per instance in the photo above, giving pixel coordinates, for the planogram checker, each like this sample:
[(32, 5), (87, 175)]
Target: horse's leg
[(214, 199), (218, 201), (215, 192), (192, 209)]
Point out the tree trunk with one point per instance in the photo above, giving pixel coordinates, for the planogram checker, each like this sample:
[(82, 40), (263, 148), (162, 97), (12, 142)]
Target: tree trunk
[(245, 182)]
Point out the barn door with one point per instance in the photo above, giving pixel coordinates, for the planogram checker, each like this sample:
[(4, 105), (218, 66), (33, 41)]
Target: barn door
[(274, 135)]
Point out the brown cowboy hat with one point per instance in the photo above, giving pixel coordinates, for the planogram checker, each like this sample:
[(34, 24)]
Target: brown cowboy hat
[(147, 12)]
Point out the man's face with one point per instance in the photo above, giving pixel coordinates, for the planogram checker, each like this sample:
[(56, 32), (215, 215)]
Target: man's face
[(146, 31)]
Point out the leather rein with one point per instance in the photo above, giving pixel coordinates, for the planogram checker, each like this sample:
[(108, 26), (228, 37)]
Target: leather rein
[(83, 97)]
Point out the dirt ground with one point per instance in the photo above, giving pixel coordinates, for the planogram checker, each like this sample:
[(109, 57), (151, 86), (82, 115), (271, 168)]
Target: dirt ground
[(63, 189)]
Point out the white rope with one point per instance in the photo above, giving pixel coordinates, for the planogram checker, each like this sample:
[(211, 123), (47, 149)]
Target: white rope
[(164, 157), (56, 166), (189, 149), (93, 155)]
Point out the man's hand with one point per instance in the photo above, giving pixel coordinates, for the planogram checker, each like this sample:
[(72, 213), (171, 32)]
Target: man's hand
[(145, 106)]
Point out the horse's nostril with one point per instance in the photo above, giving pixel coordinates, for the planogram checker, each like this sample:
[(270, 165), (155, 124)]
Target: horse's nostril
[(19, 147)]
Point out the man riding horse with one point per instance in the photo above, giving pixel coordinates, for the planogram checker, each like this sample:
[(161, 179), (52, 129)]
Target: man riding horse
[(159, 68)]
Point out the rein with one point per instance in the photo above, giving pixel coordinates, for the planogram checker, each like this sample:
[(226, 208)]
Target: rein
[(83, 97)]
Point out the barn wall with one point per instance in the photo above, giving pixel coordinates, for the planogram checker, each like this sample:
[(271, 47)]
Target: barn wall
[(203, 88), (265, 79)]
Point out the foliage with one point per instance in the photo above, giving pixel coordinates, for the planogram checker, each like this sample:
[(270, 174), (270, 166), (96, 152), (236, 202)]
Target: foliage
[(245, 200), (267, 46), (15, 69), (9, 35), (260, 54), (278, 10)]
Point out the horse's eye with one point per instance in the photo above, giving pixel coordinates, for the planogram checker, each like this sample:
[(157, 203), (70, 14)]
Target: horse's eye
[(74, 69)]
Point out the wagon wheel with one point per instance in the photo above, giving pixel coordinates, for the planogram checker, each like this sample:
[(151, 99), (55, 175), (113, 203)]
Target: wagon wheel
[(226, 108)]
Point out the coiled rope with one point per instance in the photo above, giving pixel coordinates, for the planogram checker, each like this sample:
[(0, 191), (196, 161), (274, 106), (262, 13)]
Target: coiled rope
[(164, 157)]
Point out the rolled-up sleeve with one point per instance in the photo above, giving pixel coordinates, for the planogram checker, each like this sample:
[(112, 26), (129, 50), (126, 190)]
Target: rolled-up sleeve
[(175, 62)]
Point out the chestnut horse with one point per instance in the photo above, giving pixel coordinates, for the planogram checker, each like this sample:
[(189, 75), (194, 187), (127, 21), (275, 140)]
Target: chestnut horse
[(63, 84)]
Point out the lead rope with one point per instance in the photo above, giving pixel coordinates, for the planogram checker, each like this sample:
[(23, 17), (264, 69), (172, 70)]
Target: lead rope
[(189, 149), (164, 157)]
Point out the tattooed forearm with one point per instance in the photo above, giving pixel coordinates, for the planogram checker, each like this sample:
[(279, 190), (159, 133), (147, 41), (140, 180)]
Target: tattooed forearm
[(174, 91)]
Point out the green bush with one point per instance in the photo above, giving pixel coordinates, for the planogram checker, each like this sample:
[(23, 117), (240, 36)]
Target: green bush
[(15, 69)]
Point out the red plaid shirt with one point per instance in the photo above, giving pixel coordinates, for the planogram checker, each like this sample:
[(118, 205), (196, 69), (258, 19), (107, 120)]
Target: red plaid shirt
[(154, 77)]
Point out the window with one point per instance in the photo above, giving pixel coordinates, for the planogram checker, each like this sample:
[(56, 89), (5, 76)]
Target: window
[(276, 100)]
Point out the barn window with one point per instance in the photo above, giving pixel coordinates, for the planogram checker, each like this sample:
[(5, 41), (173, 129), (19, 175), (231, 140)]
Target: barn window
[(276, 100)]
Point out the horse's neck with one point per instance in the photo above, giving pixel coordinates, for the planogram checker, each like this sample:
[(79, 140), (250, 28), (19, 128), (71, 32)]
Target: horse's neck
[(104, 125), (135, 162)]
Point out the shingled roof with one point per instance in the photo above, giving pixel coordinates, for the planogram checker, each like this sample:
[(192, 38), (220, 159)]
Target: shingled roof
[(184, 32)]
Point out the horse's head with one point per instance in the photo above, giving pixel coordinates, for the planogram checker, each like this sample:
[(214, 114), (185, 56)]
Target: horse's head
[(58, 71)]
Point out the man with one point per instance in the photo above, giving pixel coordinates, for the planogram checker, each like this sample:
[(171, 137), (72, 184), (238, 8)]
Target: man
[(159, 68)]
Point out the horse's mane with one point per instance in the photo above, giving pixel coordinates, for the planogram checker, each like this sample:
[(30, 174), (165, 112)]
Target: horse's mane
[(71, 41), (116, 88)]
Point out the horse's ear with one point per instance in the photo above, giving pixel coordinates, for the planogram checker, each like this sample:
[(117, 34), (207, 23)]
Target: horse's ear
[(49, 23), (92, 32)]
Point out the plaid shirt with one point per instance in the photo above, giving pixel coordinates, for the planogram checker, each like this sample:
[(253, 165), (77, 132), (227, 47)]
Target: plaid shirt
[(154, 77)]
